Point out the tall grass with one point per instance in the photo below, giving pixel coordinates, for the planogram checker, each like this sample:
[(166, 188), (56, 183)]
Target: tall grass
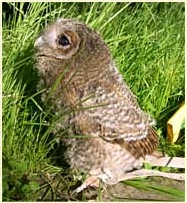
[(147, 44)]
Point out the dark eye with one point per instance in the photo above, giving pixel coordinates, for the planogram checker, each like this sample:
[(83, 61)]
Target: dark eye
[(63, 40)]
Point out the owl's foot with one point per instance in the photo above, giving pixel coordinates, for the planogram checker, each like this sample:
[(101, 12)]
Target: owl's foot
[(92, 181)]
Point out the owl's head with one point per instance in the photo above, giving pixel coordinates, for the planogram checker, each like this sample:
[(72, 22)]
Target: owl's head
[(66, 38)]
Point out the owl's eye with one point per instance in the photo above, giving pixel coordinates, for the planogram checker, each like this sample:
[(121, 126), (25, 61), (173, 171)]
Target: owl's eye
[(63, 41)]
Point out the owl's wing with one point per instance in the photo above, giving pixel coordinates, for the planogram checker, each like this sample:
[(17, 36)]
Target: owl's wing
[(122, 121), (130, 127)]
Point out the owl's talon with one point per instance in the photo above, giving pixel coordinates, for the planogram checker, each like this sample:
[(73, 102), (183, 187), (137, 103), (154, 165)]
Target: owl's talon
[(81, 188)]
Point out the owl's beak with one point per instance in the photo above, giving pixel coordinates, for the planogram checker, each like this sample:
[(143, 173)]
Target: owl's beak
[(39, 42)]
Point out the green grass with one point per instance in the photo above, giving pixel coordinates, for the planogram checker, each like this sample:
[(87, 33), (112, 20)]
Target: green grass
[(147, 44)]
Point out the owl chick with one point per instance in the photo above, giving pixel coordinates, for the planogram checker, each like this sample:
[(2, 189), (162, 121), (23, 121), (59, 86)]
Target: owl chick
[(107, 134)]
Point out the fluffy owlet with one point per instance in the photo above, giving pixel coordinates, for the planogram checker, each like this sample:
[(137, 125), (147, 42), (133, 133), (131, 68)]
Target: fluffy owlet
[(107, 134)]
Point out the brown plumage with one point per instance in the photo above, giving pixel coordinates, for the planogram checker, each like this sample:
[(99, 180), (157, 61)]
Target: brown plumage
[(77, 70)]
